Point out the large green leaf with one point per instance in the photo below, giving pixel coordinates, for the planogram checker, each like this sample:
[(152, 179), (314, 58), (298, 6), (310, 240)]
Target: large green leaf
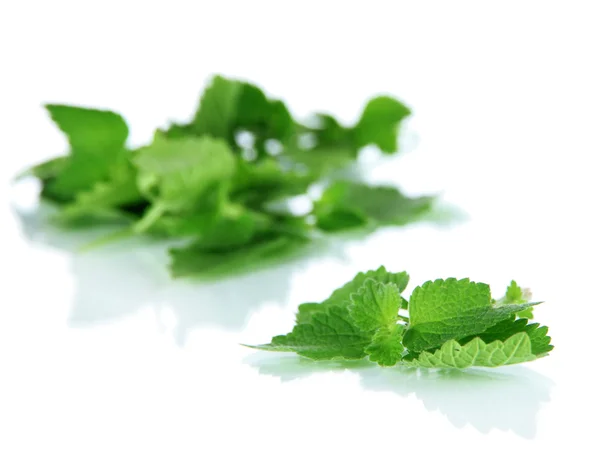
[(97, 144), (447, 309), (515, 349)]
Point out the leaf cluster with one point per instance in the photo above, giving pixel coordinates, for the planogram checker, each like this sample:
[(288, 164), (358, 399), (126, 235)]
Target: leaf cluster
[(223, 182), (446, 323)]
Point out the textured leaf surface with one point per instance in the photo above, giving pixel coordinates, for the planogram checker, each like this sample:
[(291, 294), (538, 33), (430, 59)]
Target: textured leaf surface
[(375, 305), (451, 324), (515, 349), (452, 309), (330, 334), (231, 226), (341, 296), (516, 295), (540, 341), (97, 141), (386, 347)]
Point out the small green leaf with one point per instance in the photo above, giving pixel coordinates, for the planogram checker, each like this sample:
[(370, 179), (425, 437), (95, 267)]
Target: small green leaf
[(514, 294), (196, 260), (218, 109), (97, 140), (375, 308), (229, 106), (379, 123), (120, 189), (516, 349), (320, 161), (452, 324), (386, 347), (540, 341), (517, 295), (330, 334), (375, 305), (382, 205), (341, 296)]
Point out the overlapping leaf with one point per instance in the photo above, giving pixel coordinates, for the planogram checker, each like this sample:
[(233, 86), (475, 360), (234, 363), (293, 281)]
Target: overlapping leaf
[(225, 179), (441, 310), (450, 323)]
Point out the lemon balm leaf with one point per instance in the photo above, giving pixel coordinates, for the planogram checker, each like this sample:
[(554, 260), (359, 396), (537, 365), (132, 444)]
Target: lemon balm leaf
[(447, 309), (451, 323)]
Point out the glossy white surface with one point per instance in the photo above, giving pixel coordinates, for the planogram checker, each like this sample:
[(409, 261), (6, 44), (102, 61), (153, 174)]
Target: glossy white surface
[(100, 351)]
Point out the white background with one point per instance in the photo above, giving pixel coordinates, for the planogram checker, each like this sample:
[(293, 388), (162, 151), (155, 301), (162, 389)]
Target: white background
[(102, 352)]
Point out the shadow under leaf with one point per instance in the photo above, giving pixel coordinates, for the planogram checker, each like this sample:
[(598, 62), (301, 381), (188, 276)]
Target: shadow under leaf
[(507, 399)]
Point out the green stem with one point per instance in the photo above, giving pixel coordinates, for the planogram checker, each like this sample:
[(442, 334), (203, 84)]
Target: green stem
[(403, 318), (118, 235), (151, 217)]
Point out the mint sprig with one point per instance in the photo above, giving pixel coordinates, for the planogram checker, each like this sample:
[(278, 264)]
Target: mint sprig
[(450, 323)]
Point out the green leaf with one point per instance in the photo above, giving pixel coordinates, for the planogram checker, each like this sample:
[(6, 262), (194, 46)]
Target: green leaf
[(514, 294), (331, 134), (526, 313), (330, 334), (228, 106), (348, 204), (340, 220), (517, 295), (199, 261), (441, 310), (515, 349), (120, 189), (97, 140), (375, 308), (386, 347), (341, 296), (379, 123), (540, 341), (88, 130), (452, 324), (256, 184), (218, 109), (177, 173), (230, 226), (264, 118), (375, 305)]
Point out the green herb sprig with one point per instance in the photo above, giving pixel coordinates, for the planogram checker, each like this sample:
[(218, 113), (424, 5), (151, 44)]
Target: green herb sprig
[(446, 323)]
